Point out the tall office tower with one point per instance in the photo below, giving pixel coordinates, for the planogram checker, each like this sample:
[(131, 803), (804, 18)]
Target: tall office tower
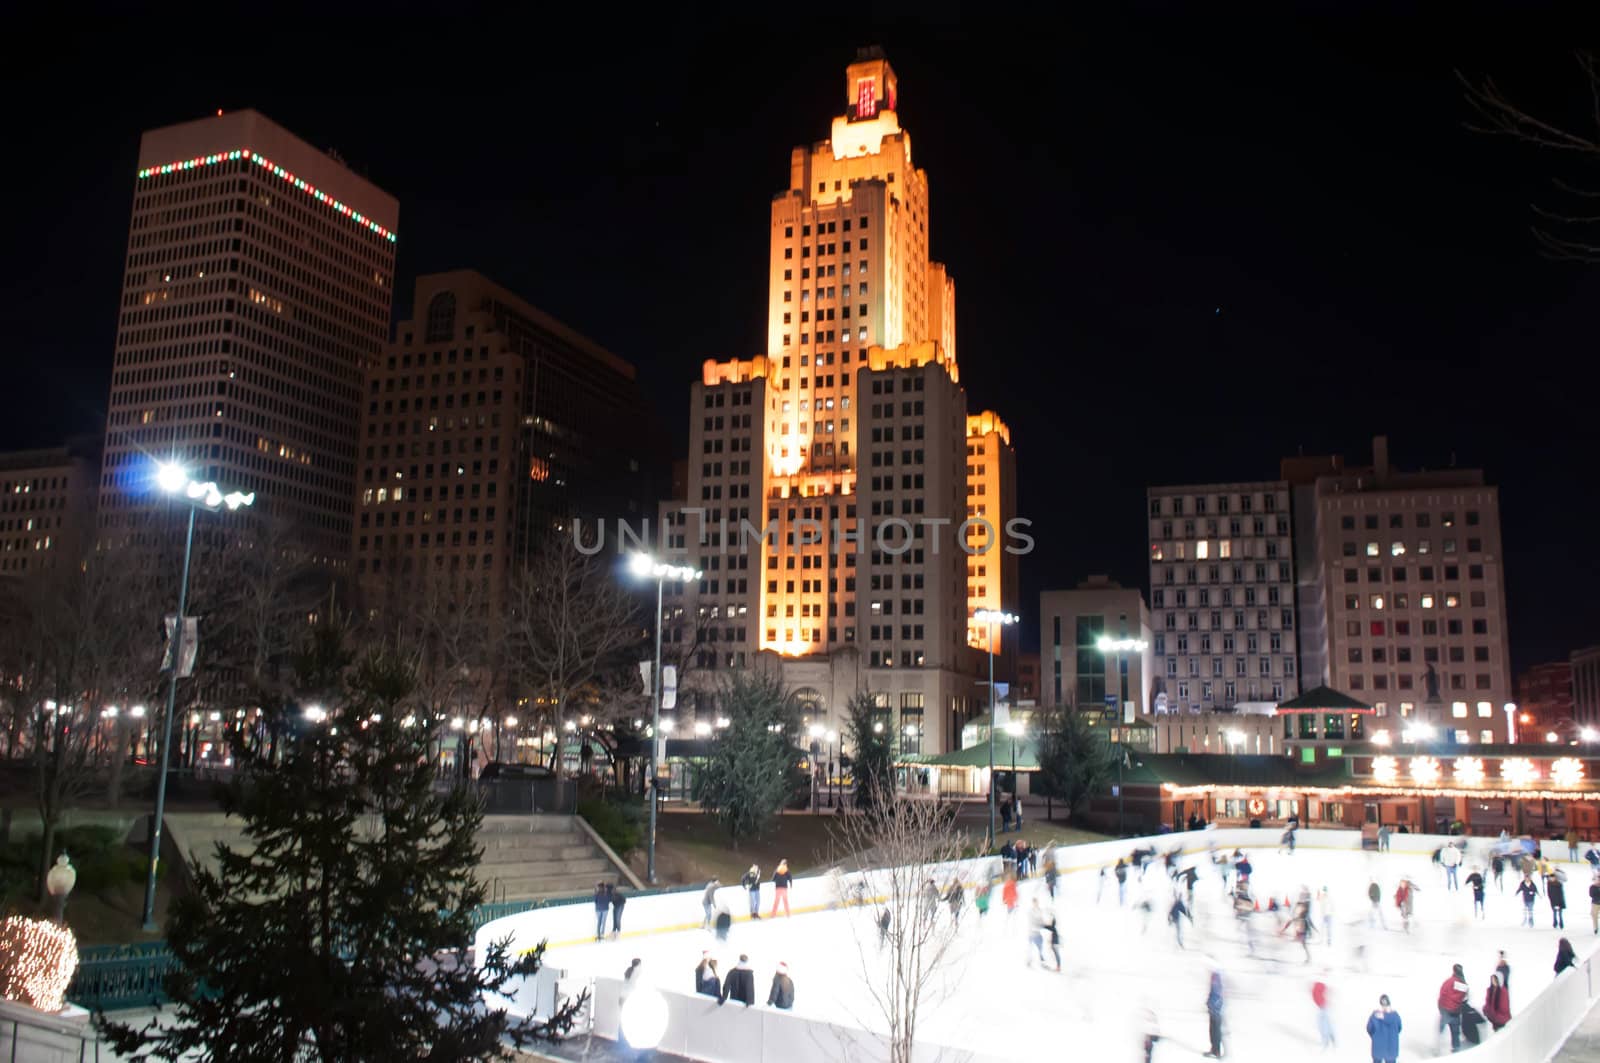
[(258, 282), (849, 443), (47, 506), (487, 428), (1412, 574), (1222, 596), (991, 491)]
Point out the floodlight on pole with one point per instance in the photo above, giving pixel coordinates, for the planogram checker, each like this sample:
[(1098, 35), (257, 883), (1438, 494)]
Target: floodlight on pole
[(1589, 734), (991, 617), (643, 566), (173, 480)]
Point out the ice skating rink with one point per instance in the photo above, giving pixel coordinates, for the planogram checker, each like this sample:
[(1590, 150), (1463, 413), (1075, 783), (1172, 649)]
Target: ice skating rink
[(1120, 968)]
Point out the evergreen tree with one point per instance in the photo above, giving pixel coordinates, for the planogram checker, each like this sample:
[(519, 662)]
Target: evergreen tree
[(1075, 763), (750, 774), (341, 934), (873, 742)]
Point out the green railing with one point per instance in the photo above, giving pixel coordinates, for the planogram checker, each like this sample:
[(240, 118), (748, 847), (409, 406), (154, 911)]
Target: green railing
[(117, 977)]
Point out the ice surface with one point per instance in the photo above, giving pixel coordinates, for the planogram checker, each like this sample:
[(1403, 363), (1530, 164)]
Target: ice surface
[(1120, 968)]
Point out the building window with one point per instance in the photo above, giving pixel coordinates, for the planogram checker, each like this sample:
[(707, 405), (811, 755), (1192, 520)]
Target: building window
[(441, 317)]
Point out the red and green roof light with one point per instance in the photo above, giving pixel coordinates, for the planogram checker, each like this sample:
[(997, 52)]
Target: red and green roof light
[(276, 171)]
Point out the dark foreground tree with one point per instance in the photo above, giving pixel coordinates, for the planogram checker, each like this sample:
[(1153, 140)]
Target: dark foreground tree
[(342, 933), (872, 739), (1075, 763), (749, 775)]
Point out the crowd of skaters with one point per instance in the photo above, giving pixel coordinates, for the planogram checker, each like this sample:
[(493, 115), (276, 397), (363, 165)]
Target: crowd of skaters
[(1301, 918)]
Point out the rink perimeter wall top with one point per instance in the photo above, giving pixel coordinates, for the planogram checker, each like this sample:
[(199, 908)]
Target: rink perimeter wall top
[(698, 1029)]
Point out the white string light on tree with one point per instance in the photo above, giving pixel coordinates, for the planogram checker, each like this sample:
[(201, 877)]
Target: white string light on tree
[(37, 960)]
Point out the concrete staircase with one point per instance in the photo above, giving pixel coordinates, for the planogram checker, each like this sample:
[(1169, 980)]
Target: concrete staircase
[(530, 857), (524, 857)]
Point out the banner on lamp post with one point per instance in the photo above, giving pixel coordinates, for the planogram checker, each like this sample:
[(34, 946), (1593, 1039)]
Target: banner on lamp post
[(187, 650), (669, 687)]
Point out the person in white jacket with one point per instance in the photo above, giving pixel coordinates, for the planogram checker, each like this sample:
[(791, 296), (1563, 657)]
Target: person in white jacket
[(1451, 859)]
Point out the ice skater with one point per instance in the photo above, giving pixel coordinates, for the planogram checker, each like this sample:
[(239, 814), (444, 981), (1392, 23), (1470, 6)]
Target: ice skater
[(602, 908), (1565, 955), (1452, 997), (1176, 915), (885, 920), (706, 980), (781, 881), (1475, 880), (1319, 1000), (1529, 893), (1405, 899), (618, 899), (1497, 1003), (708, 902), (1325, 907), (1383, 1027), (1152, 1033), (751, 881), (781, 995), (1036, 925), (1594, 902), (1555, 891), (1375, 915), (1244, 910), (1122, 882), (980, 899), (1051, 874), (1214, 1005), (956, 898), (1497, 868), (1450, 858), (1008, 895)]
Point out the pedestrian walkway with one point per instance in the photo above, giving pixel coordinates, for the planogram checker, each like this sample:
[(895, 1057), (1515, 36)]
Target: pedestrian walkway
[(1584, 1044)]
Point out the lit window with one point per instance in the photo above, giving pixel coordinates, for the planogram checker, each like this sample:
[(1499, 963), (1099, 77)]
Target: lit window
[(1423, 547), (1485, 710), (1377, 601), (1458, 709), (1397, 549), (1452, 601), (1202, 550), (1372, 549), (1156, 553), (1427, 601), (1225, 548)]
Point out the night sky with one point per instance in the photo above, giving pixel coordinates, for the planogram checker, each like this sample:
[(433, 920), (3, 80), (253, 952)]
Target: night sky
[(1183, 246)]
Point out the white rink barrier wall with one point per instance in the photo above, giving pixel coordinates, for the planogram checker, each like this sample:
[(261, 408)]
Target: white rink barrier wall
[(764, 1035)]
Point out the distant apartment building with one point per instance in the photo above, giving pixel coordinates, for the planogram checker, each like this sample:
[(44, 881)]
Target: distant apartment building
[(47, 506), (1075, 670), (487, 428), (1586, 687), (1544, 696), (887, 499), (1411, 571), (258, 282), (1222, 596)]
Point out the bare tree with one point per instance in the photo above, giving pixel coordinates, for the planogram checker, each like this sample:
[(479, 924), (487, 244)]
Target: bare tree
[(905, 937), (569, 623), (1568, 232), (78, 638)]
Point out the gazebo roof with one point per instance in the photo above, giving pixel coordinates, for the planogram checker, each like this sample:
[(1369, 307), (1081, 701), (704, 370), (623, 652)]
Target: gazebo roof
[(1323, 699), (978, 756)]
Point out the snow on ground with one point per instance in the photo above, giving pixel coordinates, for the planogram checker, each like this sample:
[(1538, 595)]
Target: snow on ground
[(1119, 966)]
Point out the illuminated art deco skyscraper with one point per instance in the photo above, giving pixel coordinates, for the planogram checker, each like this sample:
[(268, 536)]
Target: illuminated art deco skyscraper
[(850, 439)]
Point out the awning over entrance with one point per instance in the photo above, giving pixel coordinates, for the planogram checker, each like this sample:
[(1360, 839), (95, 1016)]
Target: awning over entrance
[(1324, 699)]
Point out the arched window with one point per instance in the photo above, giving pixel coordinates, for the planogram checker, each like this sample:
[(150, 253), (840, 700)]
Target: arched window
[(442, 317)]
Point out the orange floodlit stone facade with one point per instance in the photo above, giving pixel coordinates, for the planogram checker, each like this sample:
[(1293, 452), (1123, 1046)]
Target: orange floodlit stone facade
[(836, 482)]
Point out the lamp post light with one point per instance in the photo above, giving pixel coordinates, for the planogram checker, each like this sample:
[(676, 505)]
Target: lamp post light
[(174, 480), (991, 617), (643, 566), (1510, 709), (1588, 735), (58, 883)]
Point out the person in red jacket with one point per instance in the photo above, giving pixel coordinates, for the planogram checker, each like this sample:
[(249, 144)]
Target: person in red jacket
[(1497, 1003), (1452, 995)]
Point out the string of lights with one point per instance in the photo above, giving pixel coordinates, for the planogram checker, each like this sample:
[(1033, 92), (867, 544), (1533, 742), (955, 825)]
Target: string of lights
[(37, 961), (276, 171)]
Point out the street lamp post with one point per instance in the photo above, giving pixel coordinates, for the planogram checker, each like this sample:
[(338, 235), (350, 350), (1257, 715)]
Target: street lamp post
[(1013, 728), (1115, 648), (833, 738), (174, 480), (643, 565), (992, 617), (1510, 708)]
